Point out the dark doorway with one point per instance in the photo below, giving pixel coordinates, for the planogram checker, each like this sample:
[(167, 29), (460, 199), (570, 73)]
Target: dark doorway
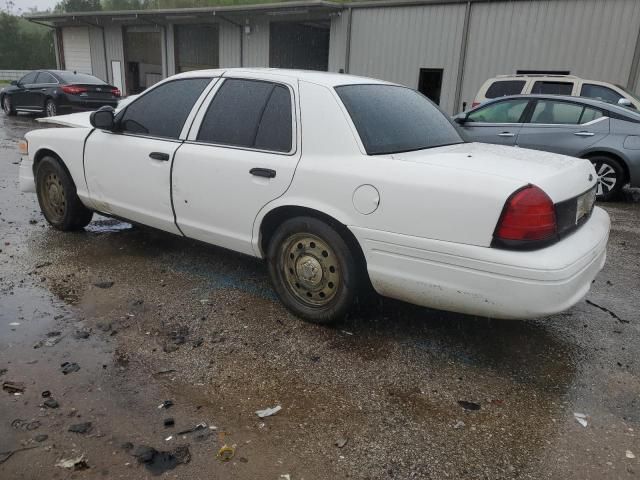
[(302, 45), (430, 83), (143, 57), (196, 47)]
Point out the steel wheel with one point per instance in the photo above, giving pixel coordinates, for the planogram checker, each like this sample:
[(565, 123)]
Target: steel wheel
[(50, 108), (607, 178), (311, 269), (54, 202)]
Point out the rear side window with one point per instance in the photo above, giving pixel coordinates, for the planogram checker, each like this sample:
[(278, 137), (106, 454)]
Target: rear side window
[(249, 114), (505, 88), (508, 111), (392, 119), (552, 88), (161, 112), (600, 93), (45, 77), (550, 112)]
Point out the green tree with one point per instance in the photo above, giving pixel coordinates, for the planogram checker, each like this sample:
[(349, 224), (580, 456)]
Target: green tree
[(25, 46), (78, 6)]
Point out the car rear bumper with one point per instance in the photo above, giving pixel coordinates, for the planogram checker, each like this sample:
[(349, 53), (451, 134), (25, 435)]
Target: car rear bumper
[(27, 182), (487, 281), (78, 104)]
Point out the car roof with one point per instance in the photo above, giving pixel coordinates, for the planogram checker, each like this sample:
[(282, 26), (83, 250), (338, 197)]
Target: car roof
[(582, 100), (322, 78)]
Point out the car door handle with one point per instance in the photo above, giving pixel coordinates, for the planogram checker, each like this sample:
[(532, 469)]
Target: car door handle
[(43, 89), (163, 157), (263, 172), (506, 134), (584, 134)]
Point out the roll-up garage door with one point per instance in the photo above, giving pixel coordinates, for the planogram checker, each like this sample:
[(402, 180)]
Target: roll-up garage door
[(77, 53)]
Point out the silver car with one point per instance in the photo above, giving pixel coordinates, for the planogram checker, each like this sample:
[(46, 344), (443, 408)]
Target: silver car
[(606, 134)]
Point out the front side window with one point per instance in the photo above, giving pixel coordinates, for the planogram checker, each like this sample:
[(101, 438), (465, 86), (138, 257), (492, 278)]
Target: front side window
[(600, 93), (393, 119), (556, 113), (552, 88), (45, 77), (249, 114), (162, 111), (504, 88), (29, 78), (508, 111)]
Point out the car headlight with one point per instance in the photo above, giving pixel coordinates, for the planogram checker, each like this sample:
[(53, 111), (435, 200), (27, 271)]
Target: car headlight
[(23, 147)]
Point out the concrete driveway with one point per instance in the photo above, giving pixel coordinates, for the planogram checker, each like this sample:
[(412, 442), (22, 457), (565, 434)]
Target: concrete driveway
[(394, 392)]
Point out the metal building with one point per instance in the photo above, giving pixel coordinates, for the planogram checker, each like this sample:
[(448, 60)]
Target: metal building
[(445, 48)]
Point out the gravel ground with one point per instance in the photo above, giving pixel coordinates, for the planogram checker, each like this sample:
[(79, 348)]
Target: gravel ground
[(149, 317)]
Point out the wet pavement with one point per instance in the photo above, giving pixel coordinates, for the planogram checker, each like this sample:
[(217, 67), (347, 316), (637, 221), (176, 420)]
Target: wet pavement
[(394, 392)]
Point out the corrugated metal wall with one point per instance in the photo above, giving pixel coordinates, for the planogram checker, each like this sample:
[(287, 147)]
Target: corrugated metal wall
[(115, 50), (170, 50), (256, 44), (394, 43), (229, 44), (338, 41), (594, 39), (97, 53)]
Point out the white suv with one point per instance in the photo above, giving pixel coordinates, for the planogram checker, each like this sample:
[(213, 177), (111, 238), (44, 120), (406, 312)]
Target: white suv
[(504, 85)]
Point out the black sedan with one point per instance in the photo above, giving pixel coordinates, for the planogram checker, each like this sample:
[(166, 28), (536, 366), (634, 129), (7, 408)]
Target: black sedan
[(55, 92)]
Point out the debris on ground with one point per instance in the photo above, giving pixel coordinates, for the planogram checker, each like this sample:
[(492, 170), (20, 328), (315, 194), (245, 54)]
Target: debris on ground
[(630, 454), (166, 404), (267, 412), (51, 403), (226, 453), (81, 334), (459, 424), (78, 463), (4, 456), (20, 424), (14, 324), (106, 284), (158, 462), (606, 310), (46, 394), (581, 418), (69, 367), (169, 422), (285, 476), (341, 442), (41, 438), (473, 406), (83, 427), (51, 340), (13, 387), (200, 426)]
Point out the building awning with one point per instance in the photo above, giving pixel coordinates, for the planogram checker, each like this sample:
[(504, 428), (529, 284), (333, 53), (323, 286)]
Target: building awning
[(184, 14)]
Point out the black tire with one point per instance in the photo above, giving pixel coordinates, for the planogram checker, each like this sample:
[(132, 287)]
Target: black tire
[(7, 106), (50, 108), (57, 197), (611, 177), (313, 270)]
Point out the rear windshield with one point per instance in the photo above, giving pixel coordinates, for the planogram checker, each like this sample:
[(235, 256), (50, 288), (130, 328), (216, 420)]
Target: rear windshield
[(70, 77), (505, 88), (393, 119)]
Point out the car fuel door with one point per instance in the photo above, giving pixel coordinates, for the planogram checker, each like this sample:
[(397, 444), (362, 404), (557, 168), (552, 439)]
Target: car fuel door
[(241, 154)]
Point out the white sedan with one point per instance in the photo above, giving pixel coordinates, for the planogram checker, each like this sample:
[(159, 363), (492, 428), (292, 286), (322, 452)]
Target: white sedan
[(335, 181)]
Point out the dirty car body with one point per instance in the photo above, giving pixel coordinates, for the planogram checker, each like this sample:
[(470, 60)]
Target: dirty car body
[(333, 179)]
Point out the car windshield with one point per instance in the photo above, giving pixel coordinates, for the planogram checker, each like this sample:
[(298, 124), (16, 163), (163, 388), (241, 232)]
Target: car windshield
[(70, 77), (394, 119)]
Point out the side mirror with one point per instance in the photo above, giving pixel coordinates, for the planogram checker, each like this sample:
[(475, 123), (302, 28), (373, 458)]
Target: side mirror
[(14, 82), (103, 118), (625, 102), (460, 119)]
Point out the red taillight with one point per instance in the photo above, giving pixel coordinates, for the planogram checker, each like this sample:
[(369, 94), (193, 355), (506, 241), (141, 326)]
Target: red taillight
[(475, 104), (528, 215), (115, 92), (73, 89)]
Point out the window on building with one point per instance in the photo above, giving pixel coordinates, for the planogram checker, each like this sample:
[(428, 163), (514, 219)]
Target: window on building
[(250, 114), (430, 83), (162, 111), (504, 88), (552, 88), (28, 79), (550, 112), (600, 92), (507, 111), (46, 77)]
